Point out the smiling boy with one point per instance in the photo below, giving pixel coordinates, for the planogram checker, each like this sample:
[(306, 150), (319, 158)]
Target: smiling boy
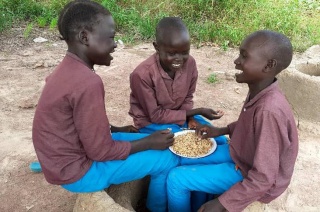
[(162, 86), (258, 163), (71, 132)]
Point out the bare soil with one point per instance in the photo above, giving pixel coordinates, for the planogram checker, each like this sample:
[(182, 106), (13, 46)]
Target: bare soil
[(24, 66)]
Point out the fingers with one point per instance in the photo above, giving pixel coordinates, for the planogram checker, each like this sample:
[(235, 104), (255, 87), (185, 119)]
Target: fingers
[(201, 132), (218, 114), (170, 141), (167, 131)]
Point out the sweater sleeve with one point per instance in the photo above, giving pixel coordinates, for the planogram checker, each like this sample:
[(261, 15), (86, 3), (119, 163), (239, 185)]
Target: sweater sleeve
[(93, 126), (188, 102), (269, 137), (143, 90), (231, 127)]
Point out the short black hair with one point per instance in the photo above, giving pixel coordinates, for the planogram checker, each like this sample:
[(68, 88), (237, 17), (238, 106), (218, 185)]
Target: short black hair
[(168, 25), (278, 46), (77, 15)]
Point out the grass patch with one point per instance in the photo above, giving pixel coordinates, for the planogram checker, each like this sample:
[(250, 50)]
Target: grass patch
[(222, 22), (212, 79), (28, 30)]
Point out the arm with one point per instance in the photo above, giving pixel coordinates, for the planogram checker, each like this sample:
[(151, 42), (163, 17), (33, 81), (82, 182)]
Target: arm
[(188, 101), (208, 131), (159, 140), (94, 129), (93, 126), (231, 128), (143, 90), (262, 176), (128, 128)]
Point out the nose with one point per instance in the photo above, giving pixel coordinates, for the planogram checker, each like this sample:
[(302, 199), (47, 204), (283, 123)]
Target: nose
[(178, 57), (115, 45), (237, 61)]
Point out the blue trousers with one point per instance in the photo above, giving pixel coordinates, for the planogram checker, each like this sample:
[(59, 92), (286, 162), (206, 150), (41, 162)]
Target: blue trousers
[(213, 174), (197, 198), (151, 162), (151, 128)]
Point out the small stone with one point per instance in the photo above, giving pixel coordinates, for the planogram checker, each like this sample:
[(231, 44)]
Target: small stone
[(40, 40)]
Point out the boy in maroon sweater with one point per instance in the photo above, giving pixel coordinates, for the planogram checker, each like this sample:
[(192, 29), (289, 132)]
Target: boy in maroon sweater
[(71, 132), (258, 163)]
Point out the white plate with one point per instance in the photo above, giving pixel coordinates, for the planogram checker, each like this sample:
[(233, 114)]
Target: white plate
[(213, 148)]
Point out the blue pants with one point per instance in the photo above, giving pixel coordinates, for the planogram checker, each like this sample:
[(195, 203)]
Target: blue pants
[(213, 174), (151, 162), (151, 128), (198, 198)]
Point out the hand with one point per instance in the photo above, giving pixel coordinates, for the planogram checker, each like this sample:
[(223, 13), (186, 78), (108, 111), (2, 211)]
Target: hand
[(160, 140), (212, 206), (207, 131), (128, 128), (192, 124), (211, 114)]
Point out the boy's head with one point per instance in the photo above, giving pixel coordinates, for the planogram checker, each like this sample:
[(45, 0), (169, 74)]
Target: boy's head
[(172, 43), (89, 30), (263, 54)]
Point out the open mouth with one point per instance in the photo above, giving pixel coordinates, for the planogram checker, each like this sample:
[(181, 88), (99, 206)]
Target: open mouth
[(239, 71), (111, 58), (176, 65)]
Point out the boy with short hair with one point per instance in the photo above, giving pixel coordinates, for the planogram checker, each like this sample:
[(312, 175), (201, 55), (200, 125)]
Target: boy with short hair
[(163, 85), (258, 163), (71, 132)]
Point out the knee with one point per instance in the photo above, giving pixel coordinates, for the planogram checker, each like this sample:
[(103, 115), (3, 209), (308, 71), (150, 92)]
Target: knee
[(175, 177), (173, 159)]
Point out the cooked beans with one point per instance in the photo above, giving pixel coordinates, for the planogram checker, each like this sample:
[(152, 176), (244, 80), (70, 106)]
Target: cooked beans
[(189, 145)]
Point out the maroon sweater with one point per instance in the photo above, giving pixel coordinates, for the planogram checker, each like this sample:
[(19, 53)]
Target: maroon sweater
[(264, 144), (70, 127), (156, 98)]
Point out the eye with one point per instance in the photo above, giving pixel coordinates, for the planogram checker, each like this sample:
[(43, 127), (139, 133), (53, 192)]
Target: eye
[(185, 53), (243, 55)]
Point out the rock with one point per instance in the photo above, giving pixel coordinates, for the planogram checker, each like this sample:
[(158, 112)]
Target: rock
[(28, 103), (38, 64), (40, 40)]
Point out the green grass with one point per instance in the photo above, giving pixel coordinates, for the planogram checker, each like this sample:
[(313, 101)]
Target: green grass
[(212, 79), (224, 22), (28, 30)]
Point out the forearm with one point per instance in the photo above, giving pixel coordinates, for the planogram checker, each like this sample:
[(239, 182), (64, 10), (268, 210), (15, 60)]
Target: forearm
[(140, 145), (223, 131), (167, 116), (193, 112)]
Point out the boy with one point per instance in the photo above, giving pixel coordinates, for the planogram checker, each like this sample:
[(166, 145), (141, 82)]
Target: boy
[(71, 132), (258, 163), (163, 85)]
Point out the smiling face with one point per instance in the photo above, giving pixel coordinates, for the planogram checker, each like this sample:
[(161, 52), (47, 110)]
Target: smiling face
[(252, 61), (173, 50), (101, 41)]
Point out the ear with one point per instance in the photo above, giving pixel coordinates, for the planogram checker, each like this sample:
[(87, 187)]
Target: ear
[(272, 63), (155, 45), (83, 37)]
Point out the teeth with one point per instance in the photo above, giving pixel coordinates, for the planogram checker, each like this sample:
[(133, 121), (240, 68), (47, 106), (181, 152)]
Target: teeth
[(176, 65)]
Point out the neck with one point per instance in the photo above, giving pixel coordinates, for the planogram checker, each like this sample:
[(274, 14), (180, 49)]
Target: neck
[(81, 54), (254, 89)]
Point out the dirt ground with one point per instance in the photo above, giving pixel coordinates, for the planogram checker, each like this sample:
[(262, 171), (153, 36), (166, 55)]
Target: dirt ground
[(24, 66)]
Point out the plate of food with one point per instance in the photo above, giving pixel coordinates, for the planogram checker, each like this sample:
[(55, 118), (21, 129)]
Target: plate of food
[(187, 144)]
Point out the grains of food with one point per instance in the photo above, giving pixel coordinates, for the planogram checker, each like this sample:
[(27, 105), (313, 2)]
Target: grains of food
[(189, 145)]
